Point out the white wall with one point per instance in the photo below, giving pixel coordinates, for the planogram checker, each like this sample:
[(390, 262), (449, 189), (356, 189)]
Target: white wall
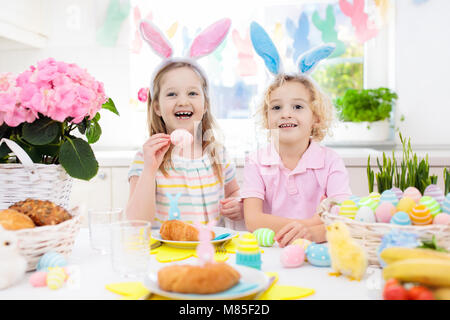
[(422, 70), (422, 65)]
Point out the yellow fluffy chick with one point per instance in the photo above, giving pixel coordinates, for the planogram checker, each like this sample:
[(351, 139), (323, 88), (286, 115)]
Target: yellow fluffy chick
[(347, 257)]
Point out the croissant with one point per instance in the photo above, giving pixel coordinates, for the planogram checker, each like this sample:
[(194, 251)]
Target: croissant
[(177, 230), (207, 279)]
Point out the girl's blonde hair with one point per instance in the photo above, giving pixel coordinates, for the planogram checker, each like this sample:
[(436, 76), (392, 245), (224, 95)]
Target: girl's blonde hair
[(209, 126), (321, 105)]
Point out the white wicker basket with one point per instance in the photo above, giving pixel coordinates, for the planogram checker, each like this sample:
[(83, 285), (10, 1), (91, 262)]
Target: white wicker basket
[(34, 242), (43, 182), (369, 235), (31, 180)]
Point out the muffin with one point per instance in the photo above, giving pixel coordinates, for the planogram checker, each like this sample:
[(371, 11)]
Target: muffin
[(43, 213)]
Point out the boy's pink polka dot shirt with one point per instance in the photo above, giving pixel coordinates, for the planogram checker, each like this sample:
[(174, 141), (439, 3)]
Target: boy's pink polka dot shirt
[(295, 194)]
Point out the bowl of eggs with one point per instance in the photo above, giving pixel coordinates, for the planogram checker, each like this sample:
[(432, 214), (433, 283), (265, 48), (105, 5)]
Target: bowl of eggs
[(372, 216)]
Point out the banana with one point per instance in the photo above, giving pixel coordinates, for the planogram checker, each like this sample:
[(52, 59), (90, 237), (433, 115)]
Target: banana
[(434, 272), (441, 293), (393, 254)]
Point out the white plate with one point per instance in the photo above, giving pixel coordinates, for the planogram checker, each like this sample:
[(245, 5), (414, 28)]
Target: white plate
[(254, 279), (192, 244)]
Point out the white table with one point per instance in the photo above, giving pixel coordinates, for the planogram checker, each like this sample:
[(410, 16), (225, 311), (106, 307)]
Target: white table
[(96, 272)]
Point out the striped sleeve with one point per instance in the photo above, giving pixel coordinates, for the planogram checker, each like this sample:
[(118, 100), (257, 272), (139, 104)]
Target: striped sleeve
[(137, 165), (228, 168)]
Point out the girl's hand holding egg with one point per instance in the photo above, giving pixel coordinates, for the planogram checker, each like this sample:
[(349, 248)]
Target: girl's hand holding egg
[(154, 150)]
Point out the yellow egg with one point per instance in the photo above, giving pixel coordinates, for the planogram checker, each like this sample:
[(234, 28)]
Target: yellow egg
[(375, 196), (420, 215), (56, 277), (304, 243), (348, 209), (406, 204)]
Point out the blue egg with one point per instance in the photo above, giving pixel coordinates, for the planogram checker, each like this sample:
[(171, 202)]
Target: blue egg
[(401, 218), (318, 255), (51, 259), (446, 204), (389, 196), (355, 199)]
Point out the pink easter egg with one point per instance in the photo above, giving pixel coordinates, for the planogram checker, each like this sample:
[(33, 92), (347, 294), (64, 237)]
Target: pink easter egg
[(435, 192), (335, 210), (398, 192), (442, 218), (38, 279), (384, 212), (292, 256), (413, 193), (181, 137)]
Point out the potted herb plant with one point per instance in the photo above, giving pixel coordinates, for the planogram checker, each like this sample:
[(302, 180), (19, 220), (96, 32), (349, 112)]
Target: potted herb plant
[(365, 114)]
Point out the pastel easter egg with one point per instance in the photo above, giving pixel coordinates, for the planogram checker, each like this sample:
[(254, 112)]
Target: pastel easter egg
[(384, 212), (180, 137), (401, 218), (398, 192), (435, 192), (368, 202), (348, 209), (420, 215), (304, 243), (406, 204), (335, 210), (431, 204), (56, 277), (51, 259), (264, 236), (365, 214), (355, 199), (318, 255), (375, 196), (292, 256), (389, 196), (442, 218), (38, 279), (413, 193), (446, 204)]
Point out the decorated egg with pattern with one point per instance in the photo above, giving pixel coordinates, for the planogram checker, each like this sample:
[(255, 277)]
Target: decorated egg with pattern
[(446, 204), (38, 279), (420, 215), (389, 196), (435, 192), (304, 243), (398, 192), (56, 277), (401, 218), (365, 214), (406, 204), (292, 256), (318, 255), (348, 209), (181, 137), (384, 212), (51, 259), (355, 199), (264, 236), (368, 202), (375, 196), (431, 204), (442, 218), (413, 193)]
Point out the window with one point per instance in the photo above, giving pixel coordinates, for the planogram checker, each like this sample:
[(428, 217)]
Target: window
[(236, 73)]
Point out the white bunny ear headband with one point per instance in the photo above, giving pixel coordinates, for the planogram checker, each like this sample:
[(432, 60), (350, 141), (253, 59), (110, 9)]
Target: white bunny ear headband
[(205, 43), (265, 48)]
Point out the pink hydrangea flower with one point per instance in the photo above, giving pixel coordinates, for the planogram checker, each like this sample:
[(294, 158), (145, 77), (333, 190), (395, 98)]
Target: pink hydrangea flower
[(143, 94)]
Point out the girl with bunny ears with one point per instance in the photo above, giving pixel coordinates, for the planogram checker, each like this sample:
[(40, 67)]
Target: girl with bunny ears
[(285, 181), (200, 174)]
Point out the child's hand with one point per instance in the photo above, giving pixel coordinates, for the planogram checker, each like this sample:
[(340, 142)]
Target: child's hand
[(292, 231), (231, 208), (154, 150)]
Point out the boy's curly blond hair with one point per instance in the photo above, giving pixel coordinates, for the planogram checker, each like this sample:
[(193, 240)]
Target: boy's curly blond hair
[(321, 105)]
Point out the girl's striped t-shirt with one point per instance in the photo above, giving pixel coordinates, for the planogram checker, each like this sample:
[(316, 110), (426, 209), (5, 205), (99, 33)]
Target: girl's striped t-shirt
[(200, 190)]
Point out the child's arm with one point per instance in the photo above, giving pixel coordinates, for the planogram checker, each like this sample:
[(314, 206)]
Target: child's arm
[(141, 201), (231, 206)]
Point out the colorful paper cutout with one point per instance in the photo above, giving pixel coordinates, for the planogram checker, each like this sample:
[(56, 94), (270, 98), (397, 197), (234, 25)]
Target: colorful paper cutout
[(299, 33), (136, 43), (360, 19), (246, 65), (116, 14), (327, 27), (172, 30)]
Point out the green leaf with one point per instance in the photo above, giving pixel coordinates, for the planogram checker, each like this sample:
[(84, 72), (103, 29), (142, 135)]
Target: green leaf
[(94, 132), (78, 159), (109, 105), (42, 131)]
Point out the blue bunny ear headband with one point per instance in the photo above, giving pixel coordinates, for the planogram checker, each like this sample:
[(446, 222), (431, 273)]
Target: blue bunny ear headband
[(266, 49)]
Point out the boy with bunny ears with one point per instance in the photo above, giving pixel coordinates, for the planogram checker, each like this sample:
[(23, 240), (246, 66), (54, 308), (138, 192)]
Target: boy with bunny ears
[(285, 181), (200, 174)]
